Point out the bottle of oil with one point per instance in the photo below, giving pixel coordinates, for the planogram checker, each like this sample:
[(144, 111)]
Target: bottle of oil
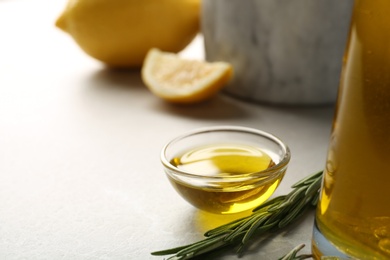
[(353, 215)]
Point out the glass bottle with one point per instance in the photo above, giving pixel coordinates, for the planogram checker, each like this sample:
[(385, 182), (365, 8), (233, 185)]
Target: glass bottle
[(353, 214)]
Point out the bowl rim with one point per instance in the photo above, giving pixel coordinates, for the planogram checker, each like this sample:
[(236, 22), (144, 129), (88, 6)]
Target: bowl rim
[(269, 172)]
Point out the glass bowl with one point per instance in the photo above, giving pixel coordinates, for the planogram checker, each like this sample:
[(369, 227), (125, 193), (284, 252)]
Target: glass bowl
[(225, 169)]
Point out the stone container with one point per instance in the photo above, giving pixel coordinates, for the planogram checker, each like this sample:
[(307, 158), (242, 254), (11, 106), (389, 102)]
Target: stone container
[(283, 51)]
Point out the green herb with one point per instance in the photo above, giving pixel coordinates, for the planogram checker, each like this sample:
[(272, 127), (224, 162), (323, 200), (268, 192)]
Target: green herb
[(271, 216), (292, 255)]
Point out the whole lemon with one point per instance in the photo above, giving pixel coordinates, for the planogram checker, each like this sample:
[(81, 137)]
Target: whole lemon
[(121, 32)]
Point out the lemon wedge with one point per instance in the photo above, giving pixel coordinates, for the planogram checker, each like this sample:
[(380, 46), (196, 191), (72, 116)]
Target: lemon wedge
[(183, 81)]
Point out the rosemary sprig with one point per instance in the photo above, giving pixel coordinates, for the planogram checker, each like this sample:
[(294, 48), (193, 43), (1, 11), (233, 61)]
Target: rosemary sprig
[(270, 216), (292, 255)]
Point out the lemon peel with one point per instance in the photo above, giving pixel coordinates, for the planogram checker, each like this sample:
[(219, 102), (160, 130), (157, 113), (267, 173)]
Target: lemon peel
[(120, 32)]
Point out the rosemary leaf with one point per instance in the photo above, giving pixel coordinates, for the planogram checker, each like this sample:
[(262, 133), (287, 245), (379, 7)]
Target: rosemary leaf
[(269, 205), (194, 248), (292, 255), (294, 214), (314, 187), (225, 228), (308, 179), (315, 199), (168, 251), (292, 197), (243, 226), (254, 227)]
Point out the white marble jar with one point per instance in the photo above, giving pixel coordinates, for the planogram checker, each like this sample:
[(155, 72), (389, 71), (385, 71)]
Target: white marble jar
[(283, 51)]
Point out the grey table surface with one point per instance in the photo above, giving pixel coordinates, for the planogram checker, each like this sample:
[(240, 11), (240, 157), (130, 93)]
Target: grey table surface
[(80, 176)]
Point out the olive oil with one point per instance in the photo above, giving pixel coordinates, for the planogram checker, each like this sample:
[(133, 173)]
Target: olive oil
[(221, 165), (354, 209)]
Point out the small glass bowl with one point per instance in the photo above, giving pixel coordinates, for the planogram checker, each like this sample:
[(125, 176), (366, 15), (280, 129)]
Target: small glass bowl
[(227, 193)]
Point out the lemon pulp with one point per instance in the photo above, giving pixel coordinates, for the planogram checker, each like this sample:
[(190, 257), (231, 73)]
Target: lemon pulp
[(184, 81)]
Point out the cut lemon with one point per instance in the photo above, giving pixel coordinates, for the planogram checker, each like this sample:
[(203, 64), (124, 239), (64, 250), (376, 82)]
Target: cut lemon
[(183, 81)]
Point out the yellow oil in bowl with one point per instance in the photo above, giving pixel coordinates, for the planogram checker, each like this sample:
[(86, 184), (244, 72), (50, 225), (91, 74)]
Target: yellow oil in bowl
[(230, 177), (225, 169)]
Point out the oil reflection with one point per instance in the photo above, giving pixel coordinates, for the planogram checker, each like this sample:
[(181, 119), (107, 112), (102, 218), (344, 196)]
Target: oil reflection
[(205, 221)]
